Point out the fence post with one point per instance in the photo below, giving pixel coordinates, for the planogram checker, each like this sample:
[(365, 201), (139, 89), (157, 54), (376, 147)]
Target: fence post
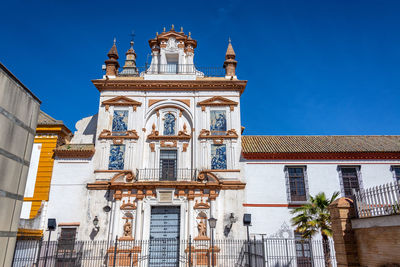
[(263, 250), (190, 251), (115, 250), (287, 251), (39, 251), (342, 210)]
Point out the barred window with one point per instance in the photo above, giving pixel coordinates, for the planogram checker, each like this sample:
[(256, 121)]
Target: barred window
[(350, 180), (396, 173), (66, 239), (297, 184), (303, 250)]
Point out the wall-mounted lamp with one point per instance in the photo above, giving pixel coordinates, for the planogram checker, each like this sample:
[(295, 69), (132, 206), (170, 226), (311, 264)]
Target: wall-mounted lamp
[(96, 223), (228, 227)]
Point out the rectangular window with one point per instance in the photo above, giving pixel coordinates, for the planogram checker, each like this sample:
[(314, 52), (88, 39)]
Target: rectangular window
[(350, 180), (120, 122), (303, 250), (218, 157), (297, 184), (116, 161), (168, 165), (218, 122), (396, 173), (66, 240)]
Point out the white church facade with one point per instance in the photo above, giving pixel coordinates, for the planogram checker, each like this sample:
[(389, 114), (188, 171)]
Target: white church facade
[(165, 153), (161, 157)]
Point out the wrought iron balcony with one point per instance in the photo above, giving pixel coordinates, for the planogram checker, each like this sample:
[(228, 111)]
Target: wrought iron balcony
[(166, 174), (180, 69)]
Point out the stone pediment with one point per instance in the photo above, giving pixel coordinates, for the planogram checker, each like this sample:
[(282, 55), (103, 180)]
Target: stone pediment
[(121, 101), (217, 101)]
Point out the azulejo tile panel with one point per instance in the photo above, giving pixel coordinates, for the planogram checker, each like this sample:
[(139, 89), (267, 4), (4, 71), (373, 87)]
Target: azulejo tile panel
[(169, 124), (218, 121), (116, 161), (120, 121), (218, 157)]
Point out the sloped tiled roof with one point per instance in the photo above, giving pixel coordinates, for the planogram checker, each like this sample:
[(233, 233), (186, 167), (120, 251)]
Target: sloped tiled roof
[(75, 151), (320, 144), (46, 119)]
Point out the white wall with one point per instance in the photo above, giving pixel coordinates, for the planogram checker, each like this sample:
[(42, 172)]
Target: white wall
[(266, 184), (69, 199)]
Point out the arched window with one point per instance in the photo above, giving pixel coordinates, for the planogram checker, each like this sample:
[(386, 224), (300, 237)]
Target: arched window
[(169, 124)]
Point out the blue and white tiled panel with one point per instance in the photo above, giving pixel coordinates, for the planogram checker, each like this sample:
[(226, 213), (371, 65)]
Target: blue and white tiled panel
[(218, 157), (169, 124), (120, 121), (218, 122), (116, 160)]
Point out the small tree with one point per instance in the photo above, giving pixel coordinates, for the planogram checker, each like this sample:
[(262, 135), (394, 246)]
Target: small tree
[(313, 218)]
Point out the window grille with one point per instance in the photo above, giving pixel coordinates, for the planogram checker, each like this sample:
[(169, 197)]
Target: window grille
[(297, 184)]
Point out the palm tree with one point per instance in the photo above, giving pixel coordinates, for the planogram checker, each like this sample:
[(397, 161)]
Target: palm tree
[(313, 218)]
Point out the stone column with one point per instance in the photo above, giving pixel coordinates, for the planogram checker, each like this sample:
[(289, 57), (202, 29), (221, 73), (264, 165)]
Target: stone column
[(139, 215), (116, 219), (342, 211)]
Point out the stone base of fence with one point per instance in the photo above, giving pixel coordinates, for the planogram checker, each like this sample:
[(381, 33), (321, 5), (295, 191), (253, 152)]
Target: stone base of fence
[(342, 210)]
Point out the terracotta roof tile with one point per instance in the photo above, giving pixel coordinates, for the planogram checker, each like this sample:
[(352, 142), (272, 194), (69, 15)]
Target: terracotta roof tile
[(75, 151), (320, 144), (46, 119)]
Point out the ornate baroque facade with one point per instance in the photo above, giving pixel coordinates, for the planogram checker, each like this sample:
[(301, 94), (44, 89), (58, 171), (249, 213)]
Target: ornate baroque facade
[(167, 146)]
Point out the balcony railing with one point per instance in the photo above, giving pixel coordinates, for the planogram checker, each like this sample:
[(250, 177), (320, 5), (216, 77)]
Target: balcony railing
[(166, 174), (182, 69), (378, 201)]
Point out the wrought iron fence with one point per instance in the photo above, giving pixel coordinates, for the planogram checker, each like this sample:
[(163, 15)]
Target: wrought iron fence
[(378, 201), (173, 252), (166, 174)]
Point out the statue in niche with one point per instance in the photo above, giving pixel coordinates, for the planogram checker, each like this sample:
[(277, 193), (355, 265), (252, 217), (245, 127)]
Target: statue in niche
[(128, 228), (202, 227), (169, 124)]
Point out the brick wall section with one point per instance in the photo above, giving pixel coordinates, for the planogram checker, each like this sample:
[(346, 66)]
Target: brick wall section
[(378, 246), (342, 210)]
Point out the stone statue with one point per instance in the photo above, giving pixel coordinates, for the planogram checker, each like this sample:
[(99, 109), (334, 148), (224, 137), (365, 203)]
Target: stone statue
[(202, 227), (127, 229)]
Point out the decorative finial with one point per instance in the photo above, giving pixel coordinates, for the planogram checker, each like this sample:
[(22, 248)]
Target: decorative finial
[(164, 29), (172, 27), (229, 39), (156, 33), (190, 37), (115, 40), (133, 36), (181, 29)]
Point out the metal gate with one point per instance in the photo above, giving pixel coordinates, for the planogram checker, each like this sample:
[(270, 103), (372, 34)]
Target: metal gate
[(164, 236)]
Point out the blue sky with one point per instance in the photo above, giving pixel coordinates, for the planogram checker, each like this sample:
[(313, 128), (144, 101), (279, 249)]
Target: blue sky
[(313, 67)]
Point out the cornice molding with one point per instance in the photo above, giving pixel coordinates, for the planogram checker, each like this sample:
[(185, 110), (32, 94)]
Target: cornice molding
[(153, 85), (118, 139), (74, 154), (182, 135), (206, 134)]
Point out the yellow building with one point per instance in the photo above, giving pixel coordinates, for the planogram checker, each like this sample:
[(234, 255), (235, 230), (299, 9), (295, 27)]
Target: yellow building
[(50, 134)]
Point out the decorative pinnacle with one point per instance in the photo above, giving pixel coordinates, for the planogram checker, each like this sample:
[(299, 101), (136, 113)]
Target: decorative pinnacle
[(172, 27), (181, 29), (156, 33), (229, 39), (133, 36), (115, 40), (164, 29), (190, 37)]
